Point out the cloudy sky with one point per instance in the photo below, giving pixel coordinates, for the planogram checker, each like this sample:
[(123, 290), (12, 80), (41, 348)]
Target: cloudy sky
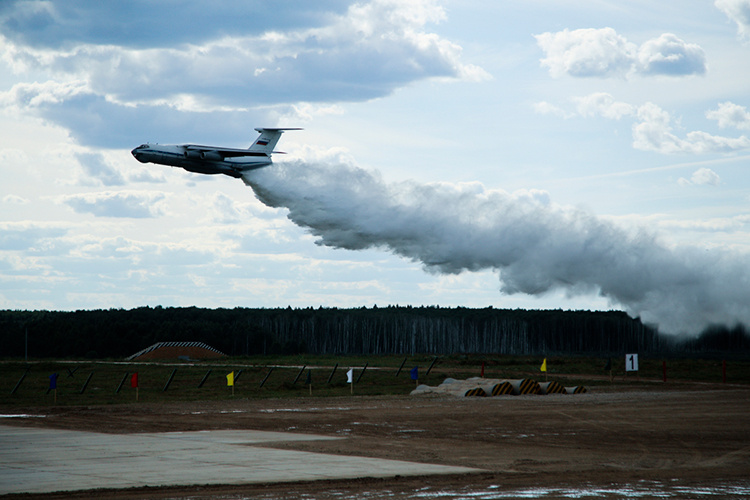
[(530, 153)]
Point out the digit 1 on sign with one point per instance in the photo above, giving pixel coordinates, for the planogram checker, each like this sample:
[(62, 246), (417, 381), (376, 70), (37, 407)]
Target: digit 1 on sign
[(631, 362)]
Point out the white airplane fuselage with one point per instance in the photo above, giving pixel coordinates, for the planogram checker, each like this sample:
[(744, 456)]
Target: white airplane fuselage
[(198, 161), (212, 159)]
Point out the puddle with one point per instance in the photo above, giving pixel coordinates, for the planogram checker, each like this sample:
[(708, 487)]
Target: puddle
[(644, 489)]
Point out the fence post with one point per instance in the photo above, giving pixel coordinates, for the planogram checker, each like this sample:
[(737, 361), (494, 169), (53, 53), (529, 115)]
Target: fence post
[(205, 377), (400, 367), (299, 375), (330, 377), (85, 384), (18, 384), (362, 372), (169, 380), (430, 368), (266, 377), (121, 382)]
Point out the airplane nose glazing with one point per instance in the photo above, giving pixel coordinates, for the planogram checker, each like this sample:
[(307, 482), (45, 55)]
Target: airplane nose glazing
[(136, 154)]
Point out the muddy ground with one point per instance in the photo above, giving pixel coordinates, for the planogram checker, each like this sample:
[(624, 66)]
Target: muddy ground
[(689, 434)]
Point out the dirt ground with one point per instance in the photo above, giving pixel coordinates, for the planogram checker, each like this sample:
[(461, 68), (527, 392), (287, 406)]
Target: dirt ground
[(689, 435)]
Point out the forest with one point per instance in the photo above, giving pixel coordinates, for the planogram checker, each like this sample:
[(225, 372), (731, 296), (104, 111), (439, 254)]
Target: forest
[(117, 333)]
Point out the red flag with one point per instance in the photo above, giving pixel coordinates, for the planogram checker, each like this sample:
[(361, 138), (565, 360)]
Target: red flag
[(134, 380)]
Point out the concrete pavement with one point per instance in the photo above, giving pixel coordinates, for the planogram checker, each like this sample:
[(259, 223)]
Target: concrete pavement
[(46, 460)]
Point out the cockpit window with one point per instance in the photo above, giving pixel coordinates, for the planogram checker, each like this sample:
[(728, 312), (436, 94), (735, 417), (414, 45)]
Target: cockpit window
[(143, 146)]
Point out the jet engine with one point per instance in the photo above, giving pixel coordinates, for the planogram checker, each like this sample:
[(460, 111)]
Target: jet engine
[(211, 155), (202, 155)]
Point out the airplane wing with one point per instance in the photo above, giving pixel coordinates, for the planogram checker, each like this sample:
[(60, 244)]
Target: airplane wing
[(222, 152)]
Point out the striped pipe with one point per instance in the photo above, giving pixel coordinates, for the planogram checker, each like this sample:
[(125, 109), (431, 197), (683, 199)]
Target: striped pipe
[(551, 388), (579, 389), (502, 389), (524, 386), (477, 392)]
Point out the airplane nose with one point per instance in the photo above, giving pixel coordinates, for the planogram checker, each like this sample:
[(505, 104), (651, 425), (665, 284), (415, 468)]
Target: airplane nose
[(136, 155)]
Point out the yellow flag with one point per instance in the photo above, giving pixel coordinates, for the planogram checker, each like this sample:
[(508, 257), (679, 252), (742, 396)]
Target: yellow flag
[(230, 379), (544, 365)]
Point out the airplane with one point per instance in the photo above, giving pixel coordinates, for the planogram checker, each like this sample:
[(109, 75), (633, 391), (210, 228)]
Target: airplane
[(211, 159)]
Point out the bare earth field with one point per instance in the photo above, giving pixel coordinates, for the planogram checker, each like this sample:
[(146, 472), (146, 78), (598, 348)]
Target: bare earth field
[(686, 435)]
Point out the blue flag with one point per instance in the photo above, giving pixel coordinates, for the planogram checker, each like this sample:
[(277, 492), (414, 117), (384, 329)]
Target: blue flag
[(53, 381), (415, 373)]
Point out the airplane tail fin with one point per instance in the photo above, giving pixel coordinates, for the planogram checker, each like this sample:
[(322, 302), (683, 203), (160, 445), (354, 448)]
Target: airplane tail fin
[(267, 139)]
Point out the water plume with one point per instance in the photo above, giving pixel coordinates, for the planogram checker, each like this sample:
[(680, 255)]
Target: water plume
[(535, 245)]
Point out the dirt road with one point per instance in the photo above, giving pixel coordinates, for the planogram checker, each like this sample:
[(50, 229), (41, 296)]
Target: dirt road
[(691, 435)]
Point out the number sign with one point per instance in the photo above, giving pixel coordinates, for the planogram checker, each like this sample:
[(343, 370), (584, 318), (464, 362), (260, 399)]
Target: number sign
[(631, 362)]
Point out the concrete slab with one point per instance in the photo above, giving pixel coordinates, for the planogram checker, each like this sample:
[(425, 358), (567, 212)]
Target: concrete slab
[(48, 460)]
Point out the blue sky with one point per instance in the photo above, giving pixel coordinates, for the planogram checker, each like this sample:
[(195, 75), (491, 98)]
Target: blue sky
[(536, 154)]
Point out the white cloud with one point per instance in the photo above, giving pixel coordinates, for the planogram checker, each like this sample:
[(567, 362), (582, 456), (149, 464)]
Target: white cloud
[(704, 176), (669, 55), (13, 156), (35, 95), (739, 12), (702, 142), (133, 204), (729, 114), (653, 132), (144, 23), (305, 112), (365, 53), (225, 210), (93, 120), (96, 168), (546, 108), (709, 226), (28, 235), (604, 53), (603, 104), (108, 91), (701, 177), (146, 174), (15, 199), (586, 52)]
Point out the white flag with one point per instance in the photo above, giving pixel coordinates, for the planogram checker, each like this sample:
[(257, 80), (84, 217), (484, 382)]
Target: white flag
[(350, 376)]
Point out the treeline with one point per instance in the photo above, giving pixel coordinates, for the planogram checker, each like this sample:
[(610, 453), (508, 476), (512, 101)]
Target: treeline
[(117, 333)]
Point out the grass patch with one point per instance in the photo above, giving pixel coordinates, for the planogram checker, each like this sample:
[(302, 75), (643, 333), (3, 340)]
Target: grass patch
[(31, 380)]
